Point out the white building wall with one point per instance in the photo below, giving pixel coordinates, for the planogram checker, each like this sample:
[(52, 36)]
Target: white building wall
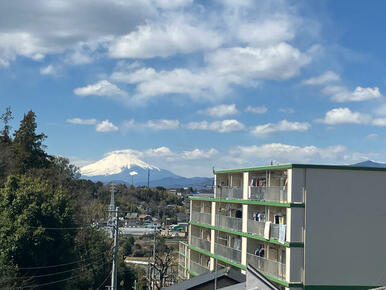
[(295, 264), (345, 227)]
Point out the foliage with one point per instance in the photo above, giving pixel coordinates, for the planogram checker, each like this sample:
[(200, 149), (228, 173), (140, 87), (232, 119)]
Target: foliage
[(27, 145), (48, 217), (28, 209)]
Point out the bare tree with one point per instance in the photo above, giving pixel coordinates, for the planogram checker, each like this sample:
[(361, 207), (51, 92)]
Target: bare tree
[(165, 269)]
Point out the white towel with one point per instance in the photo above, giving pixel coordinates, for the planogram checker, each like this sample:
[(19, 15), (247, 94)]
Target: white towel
[(282, 230), (267, 230)]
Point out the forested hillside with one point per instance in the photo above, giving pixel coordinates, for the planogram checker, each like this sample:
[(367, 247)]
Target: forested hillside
[(47, 240)]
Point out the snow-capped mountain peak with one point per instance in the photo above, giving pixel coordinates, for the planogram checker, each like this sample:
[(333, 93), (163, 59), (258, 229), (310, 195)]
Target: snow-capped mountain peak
[(115, 162)]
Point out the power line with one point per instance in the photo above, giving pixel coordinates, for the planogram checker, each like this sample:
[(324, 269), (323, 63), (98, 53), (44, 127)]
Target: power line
[(60, 265), (73, 228), (54, 282), (56, 273), (104, 281)]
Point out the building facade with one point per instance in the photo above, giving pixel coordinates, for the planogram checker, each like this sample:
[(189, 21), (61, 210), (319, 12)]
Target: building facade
[(303, 226)]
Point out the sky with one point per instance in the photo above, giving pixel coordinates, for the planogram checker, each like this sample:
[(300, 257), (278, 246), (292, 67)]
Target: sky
[(188, 85)]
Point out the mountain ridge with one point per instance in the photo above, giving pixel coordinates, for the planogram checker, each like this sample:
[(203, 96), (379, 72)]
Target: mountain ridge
[(122, 166)]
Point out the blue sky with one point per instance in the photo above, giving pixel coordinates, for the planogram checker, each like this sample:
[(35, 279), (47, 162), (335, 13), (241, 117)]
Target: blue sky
[(187, 85)]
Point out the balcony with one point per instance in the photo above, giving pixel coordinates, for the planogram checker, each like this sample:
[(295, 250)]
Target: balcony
[(200, 217), (227, 222), (200, 243), (227, 192), (272, 268), (228, 253), (256, 228), (181, 260), (268, 193), (198, 268)]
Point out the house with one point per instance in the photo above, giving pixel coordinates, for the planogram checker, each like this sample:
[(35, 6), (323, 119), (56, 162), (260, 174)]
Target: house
[(302, 226), (131, 219), (226, 279), (221, 279), (144, 218)]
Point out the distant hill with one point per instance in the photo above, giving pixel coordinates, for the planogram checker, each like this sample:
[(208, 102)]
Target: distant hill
[(370, 163), (123, 167)]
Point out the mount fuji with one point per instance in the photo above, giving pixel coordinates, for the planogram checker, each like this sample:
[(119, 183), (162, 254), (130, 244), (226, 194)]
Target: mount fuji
[(122, 166)]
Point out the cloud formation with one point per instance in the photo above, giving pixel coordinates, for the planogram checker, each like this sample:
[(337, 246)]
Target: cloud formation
[(325, 78), (282, 126), (342, 94), (79, 121), (220, 111), (345, 116), (256, 110), (106, 126), (224, 126), (163, 124), (100, 126), (102, 88)]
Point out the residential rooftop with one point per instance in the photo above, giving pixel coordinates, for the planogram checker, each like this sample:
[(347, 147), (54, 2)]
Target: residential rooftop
[(296, 165)]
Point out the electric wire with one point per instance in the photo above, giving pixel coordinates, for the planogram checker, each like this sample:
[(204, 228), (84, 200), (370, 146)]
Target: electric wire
[(55, 282), (55, 273), (61, 265), (52, 228), (104, 280)]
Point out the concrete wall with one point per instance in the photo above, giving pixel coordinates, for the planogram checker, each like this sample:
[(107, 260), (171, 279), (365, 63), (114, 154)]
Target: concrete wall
[(345, 227), (295, 224), (296, 181)]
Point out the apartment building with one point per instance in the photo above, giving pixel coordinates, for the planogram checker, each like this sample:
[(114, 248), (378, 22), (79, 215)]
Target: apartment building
[(303, 226)]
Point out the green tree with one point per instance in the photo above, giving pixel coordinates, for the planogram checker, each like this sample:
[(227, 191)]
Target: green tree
[(28, 146), (5, 118), (93, 248), (32, 215)]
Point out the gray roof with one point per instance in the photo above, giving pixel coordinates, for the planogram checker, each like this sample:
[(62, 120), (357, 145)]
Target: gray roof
[(208, 277)]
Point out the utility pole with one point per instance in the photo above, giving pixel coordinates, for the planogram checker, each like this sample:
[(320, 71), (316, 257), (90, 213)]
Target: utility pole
[(114, 271), (148, 177), (154, 246), (111, 209)]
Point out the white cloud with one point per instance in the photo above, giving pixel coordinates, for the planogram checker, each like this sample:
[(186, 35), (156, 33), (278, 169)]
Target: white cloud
[(79, 121), (49, 70), (342, 94), (373, 136), (154, 40), (345, 116), (172, 4), (19, 43), (101, 88), (199, 154), (224, 68), (284, 153), (240, 64), (256, 110), (266, 32), (220, 111), (282, 126), (159, 152), (163, 124), (326, 78), (286, 110), (106, 126), (379, 122), (224, 126)]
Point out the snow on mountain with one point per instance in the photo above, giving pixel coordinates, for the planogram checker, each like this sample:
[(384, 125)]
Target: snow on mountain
[(115, 162), (123, 166)]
